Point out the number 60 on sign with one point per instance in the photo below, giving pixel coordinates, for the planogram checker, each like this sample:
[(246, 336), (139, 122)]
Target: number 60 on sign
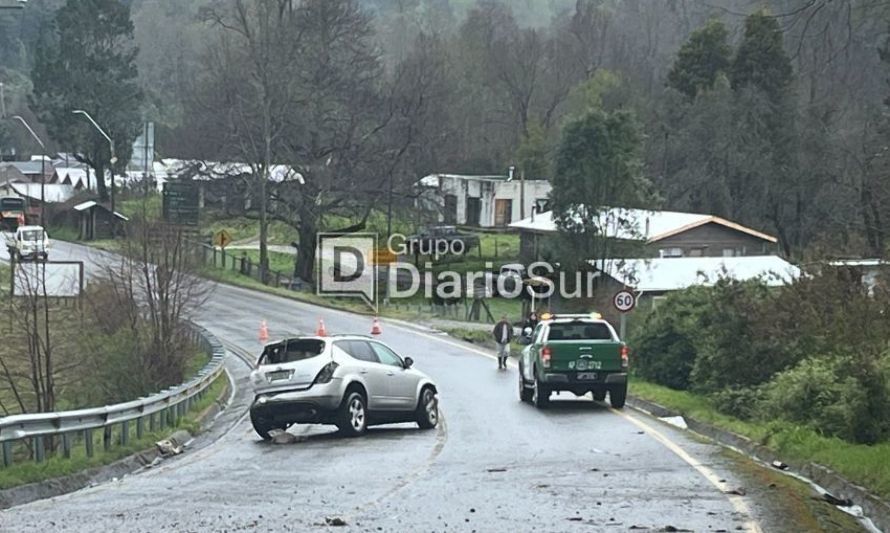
[(624, 301)]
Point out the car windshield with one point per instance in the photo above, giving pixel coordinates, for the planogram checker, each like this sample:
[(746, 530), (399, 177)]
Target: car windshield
[(291, 351), (576, 331)]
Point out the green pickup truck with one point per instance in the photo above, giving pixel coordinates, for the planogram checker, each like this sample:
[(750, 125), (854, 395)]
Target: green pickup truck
[(577, 353)]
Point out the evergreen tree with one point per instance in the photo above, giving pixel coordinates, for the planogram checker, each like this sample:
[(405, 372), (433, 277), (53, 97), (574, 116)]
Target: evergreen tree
[(598, 165), (88, 62), (701, 59), (761, 61)]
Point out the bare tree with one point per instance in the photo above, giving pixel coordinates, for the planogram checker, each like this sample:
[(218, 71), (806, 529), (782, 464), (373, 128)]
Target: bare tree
[(150, 291)]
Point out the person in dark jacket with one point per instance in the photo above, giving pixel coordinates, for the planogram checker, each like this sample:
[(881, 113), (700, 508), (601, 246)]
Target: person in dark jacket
[(503, 334)]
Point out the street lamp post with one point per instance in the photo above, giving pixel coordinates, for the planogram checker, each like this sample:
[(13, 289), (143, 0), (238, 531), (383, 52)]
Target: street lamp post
[(42, 170), (111, 166)]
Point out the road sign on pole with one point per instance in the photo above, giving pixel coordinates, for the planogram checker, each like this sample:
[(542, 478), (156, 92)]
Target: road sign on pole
[(222, 238), (624, 301)]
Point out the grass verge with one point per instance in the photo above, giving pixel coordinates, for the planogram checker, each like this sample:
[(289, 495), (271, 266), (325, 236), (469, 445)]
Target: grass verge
[(786, 504), (25, 471), (864, 465)]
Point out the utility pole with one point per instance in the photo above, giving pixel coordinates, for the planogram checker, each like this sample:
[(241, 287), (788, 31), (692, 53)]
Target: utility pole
[(112, 161)]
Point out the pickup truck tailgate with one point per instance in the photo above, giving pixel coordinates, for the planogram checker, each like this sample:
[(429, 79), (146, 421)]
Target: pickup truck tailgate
[(581, 355)]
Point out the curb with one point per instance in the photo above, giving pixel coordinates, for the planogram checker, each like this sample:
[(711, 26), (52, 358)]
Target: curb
[(51, 488), (876, 510)]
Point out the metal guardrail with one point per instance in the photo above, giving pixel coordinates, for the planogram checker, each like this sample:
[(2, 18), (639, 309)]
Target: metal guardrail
[(64, 429)]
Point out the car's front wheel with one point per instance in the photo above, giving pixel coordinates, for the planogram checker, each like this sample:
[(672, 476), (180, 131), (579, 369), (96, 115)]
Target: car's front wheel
[(352, 419), (427, 415), (540, 394), (525, 393)]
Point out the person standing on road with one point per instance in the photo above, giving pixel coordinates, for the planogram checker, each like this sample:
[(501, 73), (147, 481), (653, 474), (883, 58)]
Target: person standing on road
[(503, 334)]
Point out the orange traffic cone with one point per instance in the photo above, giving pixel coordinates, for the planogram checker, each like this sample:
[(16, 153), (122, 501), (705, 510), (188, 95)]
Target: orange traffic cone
[(321, 332), (264, 332), (375, 328)]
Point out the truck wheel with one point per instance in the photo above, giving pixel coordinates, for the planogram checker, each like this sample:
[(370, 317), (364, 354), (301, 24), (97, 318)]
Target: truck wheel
[(599, 395), (352, 417), (617, 396), (427, 415), (525, 393), (540, 394)]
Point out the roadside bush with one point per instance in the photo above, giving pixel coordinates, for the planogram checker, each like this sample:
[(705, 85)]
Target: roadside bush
[(836, 395), (743, 403), (812, 393), (813, 353), (733, 348), (663, 347)]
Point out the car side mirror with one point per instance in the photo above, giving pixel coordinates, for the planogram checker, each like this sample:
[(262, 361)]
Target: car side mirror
[(409, 362)]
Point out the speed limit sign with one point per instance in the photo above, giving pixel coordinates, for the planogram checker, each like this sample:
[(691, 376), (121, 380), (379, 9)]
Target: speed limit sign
[(624, 301)]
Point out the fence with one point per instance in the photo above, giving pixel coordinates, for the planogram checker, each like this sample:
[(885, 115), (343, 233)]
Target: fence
[(219, 258), (462, 309), (69, 428)]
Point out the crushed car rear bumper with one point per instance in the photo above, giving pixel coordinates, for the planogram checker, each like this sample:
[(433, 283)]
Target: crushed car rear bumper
[(292, 407)]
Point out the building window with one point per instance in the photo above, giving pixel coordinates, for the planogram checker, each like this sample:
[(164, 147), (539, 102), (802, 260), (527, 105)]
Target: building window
[(696, 252), (671, 252), (728, 252)]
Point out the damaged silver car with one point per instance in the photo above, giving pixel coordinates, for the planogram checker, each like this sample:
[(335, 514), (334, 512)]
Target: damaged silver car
[(351, 381)]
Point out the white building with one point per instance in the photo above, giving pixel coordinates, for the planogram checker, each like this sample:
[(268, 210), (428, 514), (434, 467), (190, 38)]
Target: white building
[(485, 201)]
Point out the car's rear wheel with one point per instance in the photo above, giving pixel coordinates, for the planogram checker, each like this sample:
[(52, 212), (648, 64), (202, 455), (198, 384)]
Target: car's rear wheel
[(540, 394), (263, 427), (352, 418), (427, 415), (617, 396), (525, 393)]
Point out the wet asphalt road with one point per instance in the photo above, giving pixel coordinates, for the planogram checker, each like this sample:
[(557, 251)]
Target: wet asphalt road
[(495, 464)]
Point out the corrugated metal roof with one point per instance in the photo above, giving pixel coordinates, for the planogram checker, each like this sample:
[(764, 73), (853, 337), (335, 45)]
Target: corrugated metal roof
[(639, 224), (670, 274), (54, 192)]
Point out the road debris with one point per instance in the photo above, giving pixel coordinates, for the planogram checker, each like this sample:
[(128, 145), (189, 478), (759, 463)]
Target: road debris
[(676, 421), (335, 521), (279, 436), (736, 492), (834, 500)]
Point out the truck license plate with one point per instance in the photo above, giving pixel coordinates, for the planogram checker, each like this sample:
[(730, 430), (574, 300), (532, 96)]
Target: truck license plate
[(587, 376)]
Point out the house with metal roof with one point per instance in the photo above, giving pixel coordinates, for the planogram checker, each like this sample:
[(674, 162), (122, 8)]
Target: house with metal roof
[(665, 234)]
